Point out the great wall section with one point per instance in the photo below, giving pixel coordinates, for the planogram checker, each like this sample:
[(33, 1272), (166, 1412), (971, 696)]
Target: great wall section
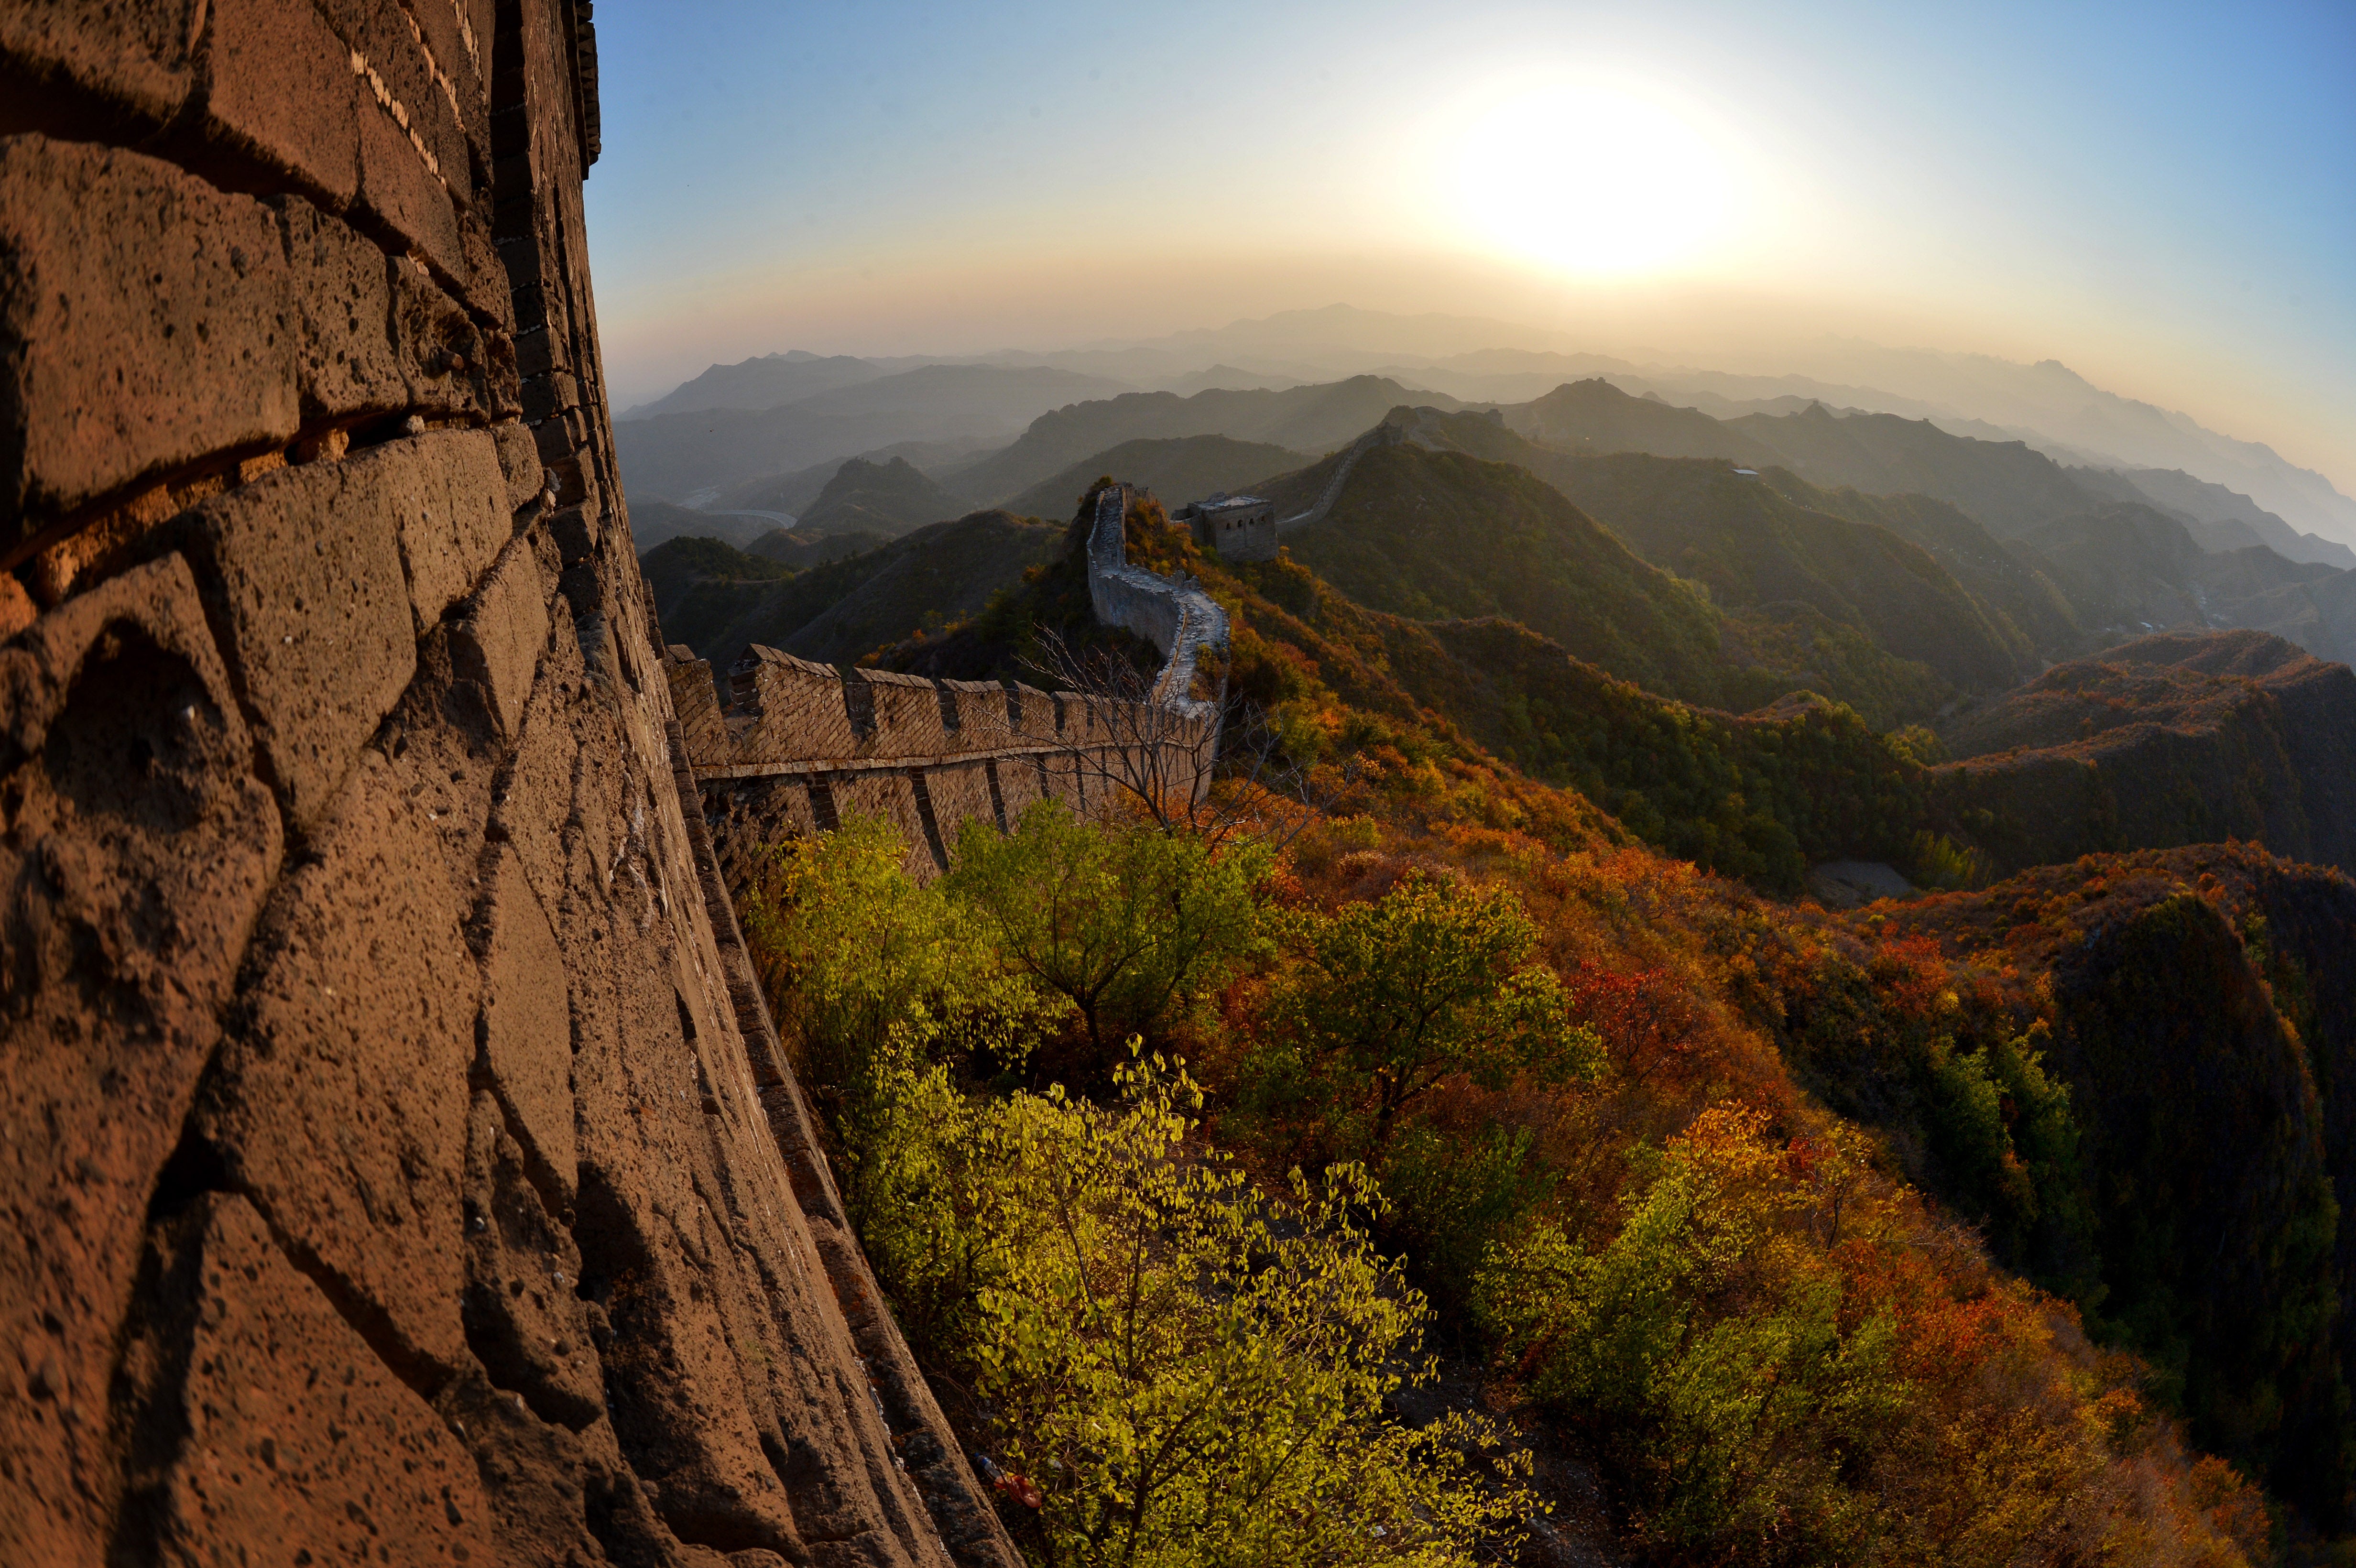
[(399, 1165), (797, 744)]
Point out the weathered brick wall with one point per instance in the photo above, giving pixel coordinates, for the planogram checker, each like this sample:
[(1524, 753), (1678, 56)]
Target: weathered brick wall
[(801, 743), (397, 1161)]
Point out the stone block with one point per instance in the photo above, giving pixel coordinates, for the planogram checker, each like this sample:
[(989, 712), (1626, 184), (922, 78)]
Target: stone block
[(296, 1442), (575, 531), (907, 711), (1031, 715), (400, 192), (526, 1028), (278, 88), (450, 500), (305, 577), (1020, 781), (575, 482), (344, 359), (696, 702), (399, 76), (131, 56), (888, 793), (443, 356), (462, 55), (524, 1317), (124, 285), (138, 851), (500, 641), (519, 460), (340, 1100), (960, 794), (802, 710)]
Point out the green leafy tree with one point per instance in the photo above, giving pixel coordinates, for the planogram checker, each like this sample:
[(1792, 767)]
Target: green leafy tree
[(1192, 1374), (874, 976), (1712, 1355), (1435, 978), (1130, 925)]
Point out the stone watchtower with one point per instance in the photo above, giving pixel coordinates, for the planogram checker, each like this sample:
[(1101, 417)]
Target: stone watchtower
[(1240, 527)]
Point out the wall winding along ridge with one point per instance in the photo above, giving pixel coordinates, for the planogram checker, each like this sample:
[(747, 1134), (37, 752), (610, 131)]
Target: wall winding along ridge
[(799, 743), (396, 1158), (1174, 616)]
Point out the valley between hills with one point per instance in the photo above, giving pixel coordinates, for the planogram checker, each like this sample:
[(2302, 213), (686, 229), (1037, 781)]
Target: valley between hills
[(1984, 816)]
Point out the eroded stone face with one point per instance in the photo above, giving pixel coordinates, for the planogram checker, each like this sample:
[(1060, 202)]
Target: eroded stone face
[(137, 848), (284, 1438), (383, 1175)]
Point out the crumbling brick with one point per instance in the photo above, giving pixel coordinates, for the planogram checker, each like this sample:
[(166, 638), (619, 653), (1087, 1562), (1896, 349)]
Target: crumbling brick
[(519, 460)]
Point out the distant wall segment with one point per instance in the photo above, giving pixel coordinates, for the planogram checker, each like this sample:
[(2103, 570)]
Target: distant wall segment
[(1388, 433), (1172, 614)]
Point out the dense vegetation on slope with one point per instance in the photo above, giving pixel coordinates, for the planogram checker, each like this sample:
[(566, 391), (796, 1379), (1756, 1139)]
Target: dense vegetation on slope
[(1437, 536), (2195, 1006), (798, 548), (2009, 585), (2106, 1066), (1757, 797), (2004, 485), (2180, 738), (1667, 1264), (1761, 796), (1754, 545)]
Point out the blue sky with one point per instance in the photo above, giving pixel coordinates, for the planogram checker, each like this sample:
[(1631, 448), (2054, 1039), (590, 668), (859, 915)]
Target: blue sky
[(2162, 197)]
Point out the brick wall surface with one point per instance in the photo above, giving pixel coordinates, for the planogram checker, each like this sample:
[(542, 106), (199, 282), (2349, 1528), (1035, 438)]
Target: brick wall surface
[(397, 1163)]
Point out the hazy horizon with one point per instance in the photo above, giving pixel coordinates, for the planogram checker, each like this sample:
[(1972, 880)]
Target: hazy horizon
[(2163, 207)]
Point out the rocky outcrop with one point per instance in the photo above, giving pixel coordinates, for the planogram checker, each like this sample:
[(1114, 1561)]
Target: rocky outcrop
[(396, 1159)]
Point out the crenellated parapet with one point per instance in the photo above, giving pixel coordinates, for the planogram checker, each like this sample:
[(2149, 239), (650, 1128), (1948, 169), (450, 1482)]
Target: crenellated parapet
[(798, 744)]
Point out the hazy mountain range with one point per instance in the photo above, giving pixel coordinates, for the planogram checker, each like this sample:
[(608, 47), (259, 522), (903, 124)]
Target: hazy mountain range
[(845, 407)]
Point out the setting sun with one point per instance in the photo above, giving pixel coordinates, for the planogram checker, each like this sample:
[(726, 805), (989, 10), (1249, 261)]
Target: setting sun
[(1592, 179)]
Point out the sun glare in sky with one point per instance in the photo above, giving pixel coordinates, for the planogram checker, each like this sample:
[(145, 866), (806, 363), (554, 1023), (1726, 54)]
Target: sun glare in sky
[(1594, 179)]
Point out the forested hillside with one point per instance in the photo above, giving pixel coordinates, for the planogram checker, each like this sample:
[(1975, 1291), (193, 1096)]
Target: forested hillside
[(2014, 1054), (2098, 1067)]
